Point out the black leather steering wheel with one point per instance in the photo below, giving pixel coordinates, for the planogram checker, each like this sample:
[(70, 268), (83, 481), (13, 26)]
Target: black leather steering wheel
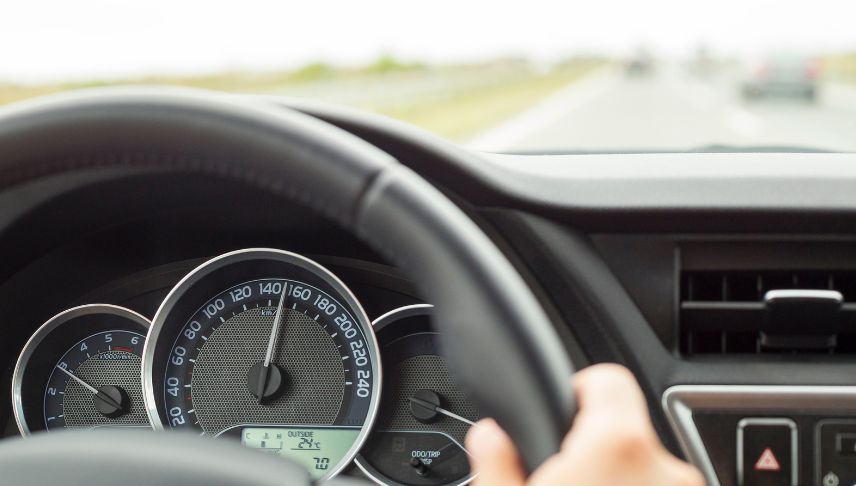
[(498, 338)]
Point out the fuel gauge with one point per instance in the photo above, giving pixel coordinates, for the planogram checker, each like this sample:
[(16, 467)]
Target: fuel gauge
[(423, 418)]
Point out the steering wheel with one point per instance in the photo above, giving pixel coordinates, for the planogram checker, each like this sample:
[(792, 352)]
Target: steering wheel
[(496, 335)]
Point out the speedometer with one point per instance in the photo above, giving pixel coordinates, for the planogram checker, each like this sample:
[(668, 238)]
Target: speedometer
[(268, 348)]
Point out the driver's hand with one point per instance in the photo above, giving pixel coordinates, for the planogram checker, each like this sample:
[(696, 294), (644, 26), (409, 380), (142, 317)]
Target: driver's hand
[(611, 443)]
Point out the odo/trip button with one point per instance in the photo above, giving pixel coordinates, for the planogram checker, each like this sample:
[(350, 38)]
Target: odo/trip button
[(767, 452)]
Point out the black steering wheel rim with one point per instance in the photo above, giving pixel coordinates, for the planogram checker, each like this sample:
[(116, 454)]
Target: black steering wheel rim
[(498, 338)]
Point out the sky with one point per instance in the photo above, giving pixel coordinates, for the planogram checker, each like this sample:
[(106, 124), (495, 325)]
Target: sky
[(59, 40)]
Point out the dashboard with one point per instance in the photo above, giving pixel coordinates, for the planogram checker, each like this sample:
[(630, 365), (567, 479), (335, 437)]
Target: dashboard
[(342, 311), (211, 308)]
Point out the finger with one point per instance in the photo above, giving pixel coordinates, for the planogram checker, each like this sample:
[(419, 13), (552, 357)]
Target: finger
[(493, 456), (609, 387), (609, 397)]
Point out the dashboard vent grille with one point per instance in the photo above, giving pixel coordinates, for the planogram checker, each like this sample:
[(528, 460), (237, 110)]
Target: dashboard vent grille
[(722, 312)]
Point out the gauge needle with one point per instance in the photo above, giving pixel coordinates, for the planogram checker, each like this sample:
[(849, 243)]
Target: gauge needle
[(102, 396), (274, 333), (75, 378), (440, 410)]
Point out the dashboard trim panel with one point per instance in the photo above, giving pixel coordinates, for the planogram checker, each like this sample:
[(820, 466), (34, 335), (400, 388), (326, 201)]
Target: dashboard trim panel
[(679, 402)]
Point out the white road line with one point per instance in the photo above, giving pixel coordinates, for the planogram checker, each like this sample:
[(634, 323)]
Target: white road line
[(545, 113), (742, 121)]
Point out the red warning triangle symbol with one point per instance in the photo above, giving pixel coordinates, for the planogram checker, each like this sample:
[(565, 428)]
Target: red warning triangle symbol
[(767, 462)]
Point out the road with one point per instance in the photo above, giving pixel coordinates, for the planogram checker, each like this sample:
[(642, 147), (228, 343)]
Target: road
[(673, 110)]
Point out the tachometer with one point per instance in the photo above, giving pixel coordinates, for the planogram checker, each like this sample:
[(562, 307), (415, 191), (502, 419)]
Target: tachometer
[(81, 369), (269, 348)]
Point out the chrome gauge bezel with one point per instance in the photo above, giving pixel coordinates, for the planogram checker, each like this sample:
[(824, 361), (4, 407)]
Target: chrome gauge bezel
[(47, 329), (163, 326), (387, 319)]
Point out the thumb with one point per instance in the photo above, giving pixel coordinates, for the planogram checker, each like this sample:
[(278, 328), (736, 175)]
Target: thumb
[(493, 456)]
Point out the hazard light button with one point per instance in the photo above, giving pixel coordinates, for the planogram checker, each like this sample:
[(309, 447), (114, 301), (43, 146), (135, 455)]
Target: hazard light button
[(767, 452)]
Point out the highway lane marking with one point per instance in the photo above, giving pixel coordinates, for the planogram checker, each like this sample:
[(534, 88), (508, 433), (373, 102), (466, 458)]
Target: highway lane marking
[(742, 122), (703, 98), (545, 113)]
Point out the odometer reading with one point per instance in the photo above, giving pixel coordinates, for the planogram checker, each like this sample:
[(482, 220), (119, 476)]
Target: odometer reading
[(316, 449)]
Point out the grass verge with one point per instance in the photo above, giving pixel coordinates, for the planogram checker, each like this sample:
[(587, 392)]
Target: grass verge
[(453, 102), (464, 114)]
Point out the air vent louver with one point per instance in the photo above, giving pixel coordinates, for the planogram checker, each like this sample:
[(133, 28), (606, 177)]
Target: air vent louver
[(723, 312)]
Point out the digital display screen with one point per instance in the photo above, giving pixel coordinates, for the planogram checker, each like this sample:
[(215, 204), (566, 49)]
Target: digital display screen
[(318, 449)]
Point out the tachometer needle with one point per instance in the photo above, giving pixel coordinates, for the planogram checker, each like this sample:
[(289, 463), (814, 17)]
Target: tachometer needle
[(113, 399), (75, 378), (440, 410), (274, 333)]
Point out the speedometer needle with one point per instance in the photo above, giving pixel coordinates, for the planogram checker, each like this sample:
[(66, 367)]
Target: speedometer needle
[(274, 333)]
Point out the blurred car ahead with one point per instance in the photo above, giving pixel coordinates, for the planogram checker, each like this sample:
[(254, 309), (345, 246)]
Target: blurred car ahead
[(782, 75), (640, 64)]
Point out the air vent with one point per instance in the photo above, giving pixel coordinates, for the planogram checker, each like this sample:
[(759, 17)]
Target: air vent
[(725, 312)]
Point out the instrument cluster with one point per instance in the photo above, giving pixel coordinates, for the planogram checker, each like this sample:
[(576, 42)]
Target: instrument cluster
[(267, 348)]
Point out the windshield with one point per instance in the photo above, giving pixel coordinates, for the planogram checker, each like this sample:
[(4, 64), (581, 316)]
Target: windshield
[(540, 75)]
